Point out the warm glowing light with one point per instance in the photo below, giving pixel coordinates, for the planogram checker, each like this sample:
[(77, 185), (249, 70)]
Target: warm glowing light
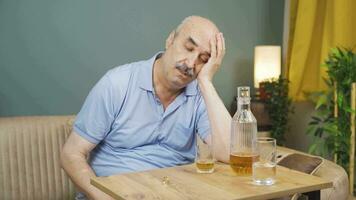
[(267, 63)]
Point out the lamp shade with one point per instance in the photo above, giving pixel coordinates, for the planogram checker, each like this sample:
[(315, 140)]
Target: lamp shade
[(267, 63)]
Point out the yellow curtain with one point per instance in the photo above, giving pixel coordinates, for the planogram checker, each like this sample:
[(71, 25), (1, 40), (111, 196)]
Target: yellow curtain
[(315, 26)]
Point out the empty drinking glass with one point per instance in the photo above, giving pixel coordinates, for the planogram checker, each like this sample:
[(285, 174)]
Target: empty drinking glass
[(264, 169)]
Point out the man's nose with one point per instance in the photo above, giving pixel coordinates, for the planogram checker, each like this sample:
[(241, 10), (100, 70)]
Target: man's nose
[(191, 61)]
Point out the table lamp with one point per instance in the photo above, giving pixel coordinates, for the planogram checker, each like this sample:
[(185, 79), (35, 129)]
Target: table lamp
[(267, 65)]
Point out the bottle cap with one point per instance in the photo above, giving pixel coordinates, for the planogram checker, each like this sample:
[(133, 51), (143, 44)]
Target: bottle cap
[(243, 91)]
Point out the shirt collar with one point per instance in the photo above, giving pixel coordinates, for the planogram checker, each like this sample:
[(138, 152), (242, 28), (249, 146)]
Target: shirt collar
[(145, 74), (146, 82)]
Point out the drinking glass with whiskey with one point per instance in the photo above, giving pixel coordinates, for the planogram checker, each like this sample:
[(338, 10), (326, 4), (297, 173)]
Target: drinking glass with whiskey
[(204, 159)]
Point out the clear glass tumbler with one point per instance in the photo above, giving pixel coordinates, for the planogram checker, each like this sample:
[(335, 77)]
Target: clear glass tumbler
[(264, 169), (204, 159)]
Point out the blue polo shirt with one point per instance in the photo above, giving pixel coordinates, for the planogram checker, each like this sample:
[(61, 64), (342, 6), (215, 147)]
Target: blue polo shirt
[(124, 117)]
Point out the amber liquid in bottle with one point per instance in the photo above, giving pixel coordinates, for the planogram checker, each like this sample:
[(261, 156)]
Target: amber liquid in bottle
[(243, 133), (241, 163)]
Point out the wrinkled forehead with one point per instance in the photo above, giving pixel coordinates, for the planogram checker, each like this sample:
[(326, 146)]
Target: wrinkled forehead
[(201, 33)]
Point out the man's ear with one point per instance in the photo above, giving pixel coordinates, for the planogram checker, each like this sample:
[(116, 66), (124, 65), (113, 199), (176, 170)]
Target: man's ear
[(169, 40)]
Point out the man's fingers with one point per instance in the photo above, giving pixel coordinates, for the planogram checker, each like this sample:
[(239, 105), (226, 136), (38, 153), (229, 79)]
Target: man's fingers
[(220, 48), (213, 48), (218, 45), (223, 41)]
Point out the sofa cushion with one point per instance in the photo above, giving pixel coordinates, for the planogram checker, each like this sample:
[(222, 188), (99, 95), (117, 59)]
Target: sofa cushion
[(301, 162)]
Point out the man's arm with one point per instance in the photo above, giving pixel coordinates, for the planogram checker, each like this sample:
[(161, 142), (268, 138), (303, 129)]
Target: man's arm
[(219, 117), (74, 162)]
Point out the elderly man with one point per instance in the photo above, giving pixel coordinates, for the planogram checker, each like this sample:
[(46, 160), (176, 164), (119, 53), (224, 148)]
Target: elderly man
[(144, 115)]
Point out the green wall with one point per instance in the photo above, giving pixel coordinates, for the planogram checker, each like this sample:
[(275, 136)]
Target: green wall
[(53, 52)]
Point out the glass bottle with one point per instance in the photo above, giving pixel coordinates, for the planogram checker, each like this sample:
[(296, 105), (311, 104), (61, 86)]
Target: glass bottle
[(243, 133)]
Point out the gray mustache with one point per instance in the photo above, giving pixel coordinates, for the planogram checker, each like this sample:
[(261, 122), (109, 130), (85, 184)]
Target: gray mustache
[(185, 69)]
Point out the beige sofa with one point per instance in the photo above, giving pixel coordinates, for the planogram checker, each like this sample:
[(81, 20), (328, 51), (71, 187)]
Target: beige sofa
[(30, 169), (29, 158)]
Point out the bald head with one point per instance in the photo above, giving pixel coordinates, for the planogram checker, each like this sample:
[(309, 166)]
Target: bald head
[(198, 30), (196, 23)]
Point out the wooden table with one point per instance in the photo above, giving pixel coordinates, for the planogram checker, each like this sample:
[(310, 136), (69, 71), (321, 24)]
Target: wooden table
[(184, 183)]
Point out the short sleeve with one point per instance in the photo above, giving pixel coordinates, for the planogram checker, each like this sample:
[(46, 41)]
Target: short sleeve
[(203, 124), (96, 116)]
